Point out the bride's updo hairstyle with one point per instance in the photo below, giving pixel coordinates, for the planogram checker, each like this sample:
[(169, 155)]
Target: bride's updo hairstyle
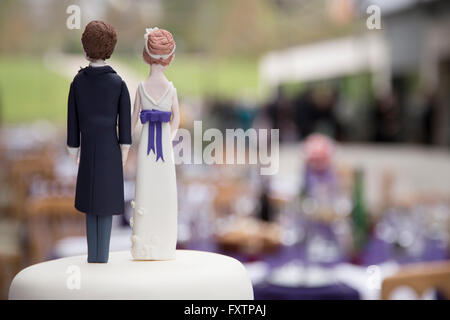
[(159, 47)]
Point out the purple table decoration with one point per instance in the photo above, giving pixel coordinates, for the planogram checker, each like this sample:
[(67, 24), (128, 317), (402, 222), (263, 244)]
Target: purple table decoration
[(379, 251), (337, 291)]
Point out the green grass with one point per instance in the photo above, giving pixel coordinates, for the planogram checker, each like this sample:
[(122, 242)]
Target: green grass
[(194, 76), (30, 91)]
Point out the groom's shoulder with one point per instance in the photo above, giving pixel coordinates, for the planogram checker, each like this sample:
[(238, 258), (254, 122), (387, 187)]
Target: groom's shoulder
[(105, 74), (115, 77)]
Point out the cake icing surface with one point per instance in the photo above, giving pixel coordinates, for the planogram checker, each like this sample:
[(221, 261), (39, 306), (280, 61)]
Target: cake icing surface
[(191, 275)]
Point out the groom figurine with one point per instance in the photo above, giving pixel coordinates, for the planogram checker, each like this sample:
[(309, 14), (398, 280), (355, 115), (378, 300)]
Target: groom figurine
[(98, 103)]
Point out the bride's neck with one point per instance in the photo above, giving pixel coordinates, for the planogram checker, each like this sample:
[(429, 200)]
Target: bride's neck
[(156, 71)]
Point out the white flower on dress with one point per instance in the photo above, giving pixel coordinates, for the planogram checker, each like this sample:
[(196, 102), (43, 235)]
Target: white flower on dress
[(142, 250), (133, 204), (135, 244)]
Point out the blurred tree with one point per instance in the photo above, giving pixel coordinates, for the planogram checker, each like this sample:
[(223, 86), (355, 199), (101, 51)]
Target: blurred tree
[(248, 27), (217, 28)]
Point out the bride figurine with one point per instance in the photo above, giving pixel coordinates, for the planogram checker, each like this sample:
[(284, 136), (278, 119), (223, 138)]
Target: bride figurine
[(154, 220)]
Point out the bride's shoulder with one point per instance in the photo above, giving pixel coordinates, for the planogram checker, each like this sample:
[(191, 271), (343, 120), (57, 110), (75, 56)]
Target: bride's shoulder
[(140, 87), (172, 87)]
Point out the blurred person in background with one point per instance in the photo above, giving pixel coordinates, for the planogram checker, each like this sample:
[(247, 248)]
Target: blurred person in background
[(221, 113), (315, 112), (320, 177), (428, 117), (386, 118), (303, 103), (281, 114), (245, 114)]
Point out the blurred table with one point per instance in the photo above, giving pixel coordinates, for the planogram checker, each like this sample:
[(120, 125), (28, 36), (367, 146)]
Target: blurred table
[(415, 168), (379, 251), (338, 291), (351, 278)]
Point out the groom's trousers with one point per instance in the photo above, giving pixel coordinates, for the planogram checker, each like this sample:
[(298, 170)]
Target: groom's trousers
[(98, 229)]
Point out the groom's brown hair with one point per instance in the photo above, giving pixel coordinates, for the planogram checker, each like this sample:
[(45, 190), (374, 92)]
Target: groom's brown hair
[(99, 39)]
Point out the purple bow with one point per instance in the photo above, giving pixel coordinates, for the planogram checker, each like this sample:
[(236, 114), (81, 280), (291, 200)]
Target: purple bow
[(154, 118)]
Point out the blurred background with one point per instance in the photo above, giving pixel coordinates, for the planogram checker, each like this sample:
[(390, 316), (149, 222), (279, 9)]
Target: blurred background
[(360, 206)]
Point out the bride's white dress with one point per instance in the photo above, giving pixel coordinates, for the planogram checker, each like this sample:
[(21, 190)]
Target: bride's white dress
[(154, 219)]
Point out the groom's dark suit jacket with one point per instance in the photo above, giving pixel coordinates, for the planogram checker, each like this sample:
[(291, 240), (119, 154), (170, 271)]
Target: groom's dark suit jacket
[(98, 101)]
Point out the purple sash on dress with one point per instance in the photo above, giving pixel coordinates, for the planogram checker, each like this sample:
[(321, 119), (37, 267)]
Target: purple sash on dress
[(155, 118)]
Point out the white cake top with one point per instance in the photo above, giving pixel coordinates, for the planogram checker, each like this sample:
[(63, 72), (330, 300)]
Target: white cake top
[(192, 275)]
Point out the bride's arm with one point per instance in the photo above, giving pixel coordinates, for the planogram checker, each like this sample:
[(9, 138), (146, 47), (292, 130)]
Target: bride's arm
[(136, 110), (134, 118), (175, 122)]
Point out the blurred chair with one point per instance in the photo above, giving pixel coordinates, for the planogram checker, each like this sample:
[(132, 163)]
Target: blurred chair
[(228, 191), (17, 174), (6, 194), (420, 277), (22, 173), (50, 219), (10, 254), (45, 217)]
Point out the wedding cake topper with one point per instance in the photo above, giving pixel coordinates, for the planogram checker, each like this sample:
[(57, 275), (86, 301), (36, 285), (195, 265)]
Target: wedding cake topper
[(154, 220), (97, 97)]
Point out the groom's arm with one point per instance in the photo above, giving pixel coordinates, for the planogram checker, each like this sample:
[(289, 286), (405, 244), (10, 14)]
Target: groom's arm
[(136, 111), (124, 116), (124, 122), (73, 127)]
